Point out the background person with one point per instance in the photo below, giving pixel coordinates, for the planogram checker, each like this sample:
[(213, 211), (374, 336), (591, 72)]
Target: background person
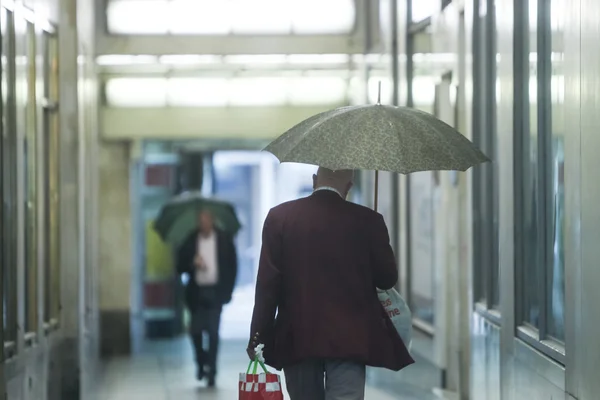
[(209, 257)]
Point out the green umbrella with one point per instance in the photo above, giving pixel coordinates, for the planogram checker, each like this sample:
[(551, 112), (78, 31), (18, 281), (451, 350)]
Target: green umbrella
[(178, 217), (377, 137)]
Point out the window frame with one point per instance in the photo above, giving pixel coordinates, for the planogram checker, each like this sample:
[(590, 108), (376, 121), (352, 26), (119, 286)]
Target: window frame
[(486, 279), (536, 337)]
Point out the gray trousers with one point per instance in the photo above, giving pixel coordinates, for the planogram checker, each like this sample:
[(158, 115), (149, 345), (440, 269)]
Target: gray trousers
[(326, 380)]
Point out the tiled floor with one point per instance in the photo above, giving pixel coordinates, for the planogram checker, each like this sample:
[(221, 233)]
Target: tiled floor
[(164, 370)]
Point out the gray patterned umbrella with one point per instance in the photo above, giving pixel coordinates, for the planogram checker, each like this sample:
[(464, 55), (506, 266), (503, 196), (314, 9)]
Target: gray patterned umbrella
[(377, 137)]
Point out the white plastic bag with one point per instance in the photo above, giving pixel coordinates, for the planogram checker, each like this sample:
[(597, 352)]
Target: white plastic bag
[(399, 313)]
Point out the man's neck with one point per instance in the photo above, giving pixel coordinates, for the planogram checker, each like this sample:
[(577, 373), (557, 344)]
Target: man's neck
[(329, 188)]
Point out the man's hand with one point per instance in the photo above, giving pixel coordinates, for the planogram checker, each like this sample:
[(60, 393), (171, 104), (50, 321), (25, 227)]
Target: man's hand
[(199, 262), (252, 345)]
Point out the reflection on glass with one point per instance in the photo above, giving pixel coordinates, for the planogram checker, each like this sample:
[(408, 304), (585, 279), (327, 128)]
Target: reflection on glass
[(531, 237), (557, 266)]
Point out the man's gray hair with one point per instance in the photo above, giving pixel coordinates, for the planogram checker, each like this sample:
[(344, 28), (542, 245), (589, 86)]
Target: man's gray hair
[(341, 176)]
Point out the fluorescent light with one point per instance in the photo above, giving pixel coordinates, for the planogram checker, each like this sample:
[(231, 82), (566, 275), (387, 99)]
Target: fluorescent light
[(136, 92), (131, 17), (310, 17), (223, 17), (260, 17), (316, 90), (318, 58), (199, 17), (117, 59), (189, 59), (255, 59), (207, 92), (221, 92), (257, 92)]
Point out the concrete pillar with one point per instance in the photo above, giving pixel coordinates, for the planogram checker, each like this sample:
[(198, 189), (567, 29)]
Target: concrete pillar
[(115, 255)]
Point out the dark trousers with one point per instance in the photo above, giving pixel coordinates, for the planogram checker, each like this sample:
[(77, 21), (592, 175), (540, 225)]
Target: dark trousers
[(206, 320), (326, 380)]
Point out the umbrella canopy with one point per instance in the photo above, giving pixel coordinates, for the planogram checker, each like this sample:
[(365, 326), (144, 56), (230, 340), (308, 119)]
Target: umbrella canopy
[(377, 137), (178, 217)]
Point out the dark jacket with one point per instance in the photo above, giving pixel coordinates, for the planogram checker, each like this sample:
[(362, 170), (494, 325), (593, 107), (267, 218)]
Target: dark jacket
[(227, 265), (322, 259)]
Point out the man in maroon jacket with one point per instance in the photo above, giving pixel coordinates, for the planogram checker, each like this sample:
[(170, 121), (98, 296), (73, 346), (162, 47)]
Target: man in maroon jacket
[(321, 261)]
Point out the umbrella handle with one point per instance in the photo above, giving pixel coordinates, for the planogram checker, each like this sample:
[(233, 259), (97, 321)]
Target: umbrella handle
[(376, 190)]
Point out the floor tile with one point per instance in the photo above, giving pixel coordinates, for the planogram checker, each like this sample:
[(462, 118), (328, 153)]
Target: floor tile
[(164, 370)]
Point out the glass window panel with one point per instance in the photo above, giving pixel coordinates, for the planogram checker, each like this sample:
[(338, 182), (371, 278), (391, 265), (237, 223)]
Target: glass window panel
[(210, 92), (424, 92), (4, 190), (316, 90), (322, 17), (31, 179), (422, 9), (9, 200), (486, 95), (200, 17), (532, 238), (261, 17), (423, 190), (556, 317), (493, 59), (136, 92), (139, 17), (51, 149), (257, 92)]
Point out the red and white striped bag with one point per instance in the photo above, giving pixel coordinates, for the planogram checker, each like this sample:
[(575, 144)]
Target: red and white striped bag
[(263, 386)]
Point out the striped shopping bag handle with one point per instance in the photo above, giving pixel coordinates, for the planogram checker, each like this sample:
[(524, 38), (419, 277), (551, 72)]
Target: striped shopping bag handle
[(256, 363)]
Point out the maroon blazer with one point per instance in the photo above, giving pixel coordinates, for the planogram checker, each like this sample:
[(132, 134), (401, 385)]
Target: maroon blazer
[(321, 260)]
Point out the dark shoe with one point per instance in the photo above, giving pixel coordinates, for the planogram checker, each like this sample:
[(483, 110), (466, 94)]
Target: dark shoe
[(200, 373), (211, 382)]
